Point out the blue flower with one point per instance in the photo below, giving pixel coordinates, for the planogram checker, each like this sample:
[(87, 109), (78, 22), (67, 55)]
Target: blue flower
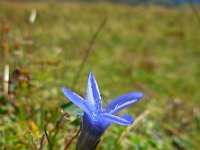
[(95, 119)]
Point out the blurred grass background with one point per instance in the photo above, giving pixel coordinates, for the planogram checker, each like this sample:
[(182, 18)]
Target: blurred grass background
[(154, 50)]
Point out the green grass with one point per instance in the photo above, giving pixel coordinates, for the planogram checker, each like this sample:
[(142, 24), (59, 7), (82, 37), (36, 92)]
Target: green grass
[(154, 50)]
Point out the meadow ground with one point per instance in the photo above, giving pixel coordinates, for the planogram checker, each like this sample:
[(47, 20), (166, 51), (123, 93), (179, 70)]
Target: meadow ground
[(154, 50)]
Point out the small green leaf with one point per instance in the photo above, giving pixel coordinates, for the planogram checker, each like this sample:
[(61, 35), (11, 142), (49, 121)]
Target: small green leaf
[(71, 108)]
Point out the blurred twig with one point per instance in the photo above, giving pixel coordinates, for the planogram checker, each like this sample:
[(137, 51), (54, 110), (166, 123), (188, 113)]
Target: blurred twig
[(56, 129), (138, 119), (43, 142), (6, 81), (67, 145), (87, 52), (4, 52), (51, 145), (47, 136)]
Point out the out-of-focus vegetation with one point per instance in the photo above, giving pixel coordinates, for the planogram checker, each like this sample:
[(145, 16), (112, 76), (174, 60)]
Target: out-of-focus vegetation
[(130, 2), (154, 50)]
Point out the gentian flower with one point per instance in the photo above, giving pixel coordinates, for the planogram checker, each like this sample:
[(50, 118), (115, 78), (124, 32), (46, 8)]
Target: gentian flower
[(95, 119)]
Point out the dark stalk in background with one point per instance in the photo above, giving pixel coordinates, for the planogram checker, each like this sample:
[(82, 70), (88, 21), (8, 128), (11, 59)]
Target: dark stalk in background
[(87, 52), (47, 136), (42, 142), (67, 145), (56, 129)]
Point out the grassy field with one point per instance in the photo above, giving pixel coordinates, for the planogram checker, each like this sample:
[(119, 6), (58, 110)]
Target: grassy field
[(153, 50)]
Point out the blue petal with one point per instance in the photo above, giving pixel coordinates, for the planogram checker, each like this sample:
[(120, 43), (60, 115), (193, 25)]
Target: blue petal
[(122, 106), (76, 99), (128, 118), (124, 120), (93, 97), (123, 101)]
